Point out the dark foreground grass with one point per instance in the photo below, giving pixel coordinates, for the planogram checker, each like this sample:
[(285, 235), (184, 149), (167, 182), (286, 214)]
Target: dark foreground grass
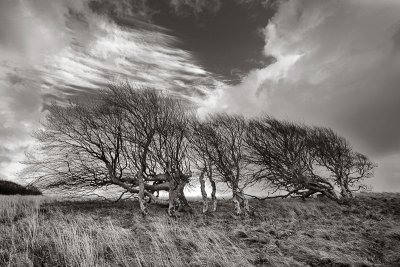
[(39, 232)]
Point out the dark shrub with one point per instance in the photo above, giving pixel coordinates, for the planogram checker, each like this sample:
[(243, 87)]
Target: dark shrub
[(11, 188)]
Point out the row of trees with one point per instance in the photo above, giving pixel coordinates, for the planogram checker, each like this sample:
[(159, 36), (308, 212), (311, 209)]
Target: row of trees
[(145, 141)]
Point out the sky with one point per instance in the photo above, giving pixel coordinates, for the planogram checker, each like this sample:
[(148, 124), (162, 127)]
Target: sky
[(332, 63)]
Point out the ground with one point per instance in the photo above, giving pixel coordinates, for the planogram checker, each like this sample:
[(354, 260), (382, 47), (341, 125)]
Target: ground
[(37, 231)]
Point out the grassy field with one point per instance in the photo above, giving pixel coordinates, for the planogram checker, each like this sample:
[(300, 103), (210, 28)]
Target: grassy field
[(35, 231)]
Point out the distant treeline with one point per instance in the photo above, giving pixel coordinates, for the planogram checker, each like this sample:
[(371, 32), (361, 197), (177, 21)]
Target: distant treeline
[(146, 141), (11, 188)]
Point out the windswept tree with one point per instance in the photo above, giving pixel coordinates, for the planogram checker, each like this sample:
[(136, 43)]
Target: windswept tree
[(200, 149), (81, 148), (171, 148), (347, 167), (156, 135), (131, 138), (279, 150), (219, 144)]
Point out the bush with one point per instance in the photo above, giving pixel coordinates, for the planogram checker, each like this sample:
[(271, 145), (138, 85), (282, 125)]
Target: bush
[(11, 188)]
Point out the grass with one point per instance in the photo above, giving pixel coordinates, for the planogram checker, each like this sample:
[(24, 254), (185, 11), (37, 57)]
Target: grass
[(36, 231)]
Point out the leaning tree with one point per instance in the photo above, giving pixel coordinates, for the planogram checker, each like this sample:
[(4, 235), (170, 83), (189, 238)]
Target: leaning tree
[(155, 130), (218, 142), (279, 151), (200, 150), (347, 167), (80, 148), (131, 138)]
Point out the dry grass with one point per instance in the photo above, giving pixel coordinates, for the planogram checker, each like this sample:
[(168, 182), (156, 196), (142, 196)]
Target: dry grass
[(35, 231)]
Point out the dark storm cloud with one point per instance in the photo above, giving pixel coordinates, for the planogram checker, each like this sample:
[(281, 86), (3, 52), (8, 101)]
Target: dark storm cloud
[(188, 8), (225, 36)]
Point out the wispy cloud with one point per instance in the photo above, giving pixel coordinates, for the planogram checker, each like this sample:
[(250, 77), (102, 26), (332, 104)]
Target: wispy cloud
[(52, 50)]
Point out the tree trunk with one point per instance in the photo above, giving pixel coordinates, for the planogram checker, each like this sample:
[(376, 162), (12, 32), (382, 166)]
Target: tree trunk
[(347, 189), (183, 203), (203, 190), (173, 195), (245, 202), (213, 194), (134, 190), (177, 195), (141, 194), (331, 194), (323, 186), (236, 200), (344, 191)]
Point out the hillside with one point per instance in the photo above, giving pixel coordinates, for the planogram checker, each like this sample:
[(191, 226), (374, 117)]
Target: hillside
[(288, 232), (12, 188)]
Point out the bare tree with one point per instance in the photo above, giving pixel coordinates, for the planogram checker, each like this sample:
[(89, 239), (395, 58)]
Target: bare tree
[(335, 153), (155, 131), (200, 149), (171, 148), (279, 150), (132, 138), (219, 144), (81, 147)]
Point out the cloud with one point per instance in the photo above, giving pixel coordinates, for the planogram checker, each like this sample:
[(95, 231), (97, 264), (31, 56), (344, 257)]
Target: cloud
[(54, 50), (337, 64), (30, 30)]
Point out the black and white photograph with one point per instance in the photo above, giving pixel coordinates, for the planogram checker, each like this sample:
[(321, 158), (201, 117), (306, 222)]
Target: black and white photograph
[(221, 133)]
